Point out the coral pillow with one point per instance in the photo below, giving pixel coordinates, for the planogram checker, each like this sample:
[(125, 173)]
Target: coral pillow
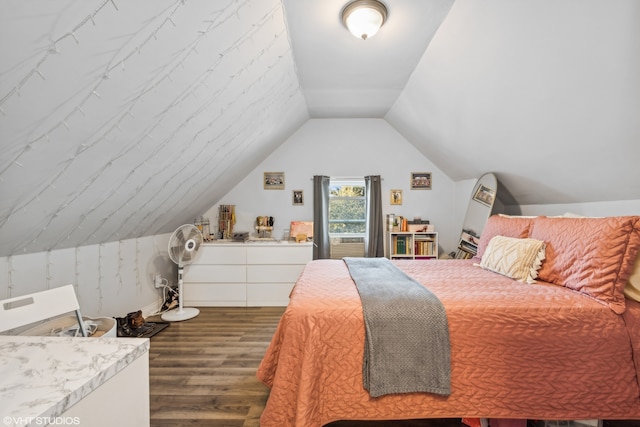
[(500, 225), (589, 255), (519, 259)]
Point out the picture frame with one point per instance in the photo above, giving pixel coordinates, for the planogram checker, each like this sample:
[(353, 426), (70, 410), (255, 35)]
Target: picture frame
[(484, 195), (297, 198), (396, 197), (273, 180), (421, 180)]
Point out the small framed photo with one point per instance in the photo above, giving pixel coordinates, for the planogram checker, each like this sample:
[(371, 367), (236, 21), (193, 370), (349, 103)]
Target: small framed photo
[(484, 195), (274, 180), (396, 197), (421, 180), (297, 198)]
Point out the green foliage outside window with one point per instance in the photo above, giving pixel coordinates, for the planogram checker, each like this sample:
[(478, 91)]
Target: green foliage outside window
[(347, 209)]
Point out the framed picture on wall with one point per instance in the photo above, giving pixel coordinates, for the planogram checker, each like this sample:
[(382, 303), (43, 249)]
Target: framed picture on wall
[(297, 198), (421, 180), (274, 181), (484, 195), (396, 197)]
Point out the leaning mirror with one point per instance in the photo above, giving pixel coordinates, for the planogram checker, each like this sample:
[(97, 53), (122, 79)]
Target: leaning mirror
[(479, 209)]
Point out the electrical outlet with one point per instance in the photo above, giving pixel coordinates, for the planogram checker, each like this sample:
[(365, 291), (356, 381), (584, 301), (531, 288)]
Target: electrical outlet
[(157, 281)]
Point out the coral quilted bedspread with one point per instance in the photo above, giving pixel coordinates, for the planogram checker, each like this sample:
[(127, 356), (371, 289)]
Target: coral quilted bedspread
[(537, 351)]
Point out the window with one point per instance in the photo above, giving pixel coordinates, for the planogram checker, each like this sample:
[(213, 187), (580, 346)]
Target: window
[(347, 210)]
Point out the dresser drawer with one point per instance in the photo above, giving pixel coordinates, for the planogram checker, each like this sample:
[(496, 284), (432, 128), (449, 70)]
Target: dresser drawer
[(285, 254), (273, 273), (204, 273), (268, 294), (221, 254)]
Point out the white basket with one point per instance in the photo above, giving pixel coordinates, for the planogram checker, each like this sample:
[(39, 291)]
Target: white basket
[(67, 326)]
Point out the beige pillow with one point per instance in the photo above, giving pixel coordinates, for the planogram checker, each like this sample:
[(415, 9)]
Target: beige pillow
[(632, 288), (519, 259)]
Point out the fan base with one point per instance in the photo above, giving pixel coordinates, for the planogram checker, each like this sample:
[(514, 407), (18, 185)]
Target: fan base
[(179, 314)]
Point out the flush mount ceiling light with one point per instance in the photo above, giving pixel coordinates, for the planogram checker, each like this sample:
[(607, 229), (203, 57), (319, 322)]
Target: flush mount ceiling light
[(364, 17)]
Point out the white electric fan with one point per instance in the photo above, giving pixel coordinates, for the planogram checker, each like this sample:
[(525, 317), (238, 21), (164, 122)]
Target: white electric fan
[(183, 245)]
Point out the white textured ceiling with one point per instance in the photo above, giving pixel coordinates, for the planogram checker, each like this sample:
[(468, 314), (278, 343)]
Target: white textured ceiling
[(124, 118)]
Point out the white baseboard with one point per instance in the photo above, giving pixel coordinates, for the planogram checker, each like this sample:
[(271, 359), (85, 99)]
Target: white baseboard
[(151, 309)]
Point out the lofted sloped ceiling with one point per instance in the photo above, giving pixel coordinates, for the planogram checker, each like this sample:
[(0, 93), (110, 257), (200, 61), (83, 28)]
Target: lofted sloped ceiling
[(546, 94), (126, 118)]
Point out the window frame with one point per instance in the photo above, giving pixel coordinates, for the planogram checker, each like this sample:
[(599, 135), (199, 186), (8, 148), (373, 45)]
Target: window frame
[(347, 182)]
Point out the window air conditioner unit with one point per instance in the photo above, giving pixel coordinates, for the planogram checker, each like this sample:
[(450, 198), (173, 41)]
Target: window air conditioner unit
[(346, 247)]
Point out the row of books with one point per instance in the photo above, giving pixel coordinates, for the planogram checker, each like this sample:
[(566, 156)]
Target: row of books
[(425, 247), (402, 245)]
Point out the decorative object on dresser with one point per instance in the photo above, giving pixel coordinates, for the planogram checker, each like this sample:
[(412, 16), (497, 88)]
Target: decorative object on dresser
[(204, 226), (183, 245), (264, 227), (226, 221), (300, 228)]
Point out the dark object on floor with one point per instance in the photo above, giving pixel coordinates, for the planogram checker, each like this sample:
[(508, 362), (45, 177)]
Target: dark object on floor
[(146, 330), (134, 325), (170, 299), (135, 319), (154, 328)]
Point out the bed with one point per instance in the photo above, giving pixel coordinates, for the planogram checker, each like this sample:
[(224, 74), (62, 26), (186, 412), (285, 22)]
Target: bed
[(564, 347)]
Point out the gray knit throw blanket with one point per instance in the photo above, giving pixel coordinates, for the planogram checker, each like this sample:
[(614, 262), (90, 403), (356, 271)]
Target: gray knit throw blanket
[(406, 331)]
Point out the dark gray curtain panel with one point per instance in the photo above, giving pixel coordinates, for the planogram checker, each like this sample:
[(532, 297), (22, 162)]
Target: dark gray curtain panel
[(374, 238), (321, 217)]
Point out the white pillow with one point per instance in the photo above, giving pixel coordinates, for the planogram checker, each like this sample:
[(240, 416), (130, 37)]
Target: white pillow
[(519, 259)]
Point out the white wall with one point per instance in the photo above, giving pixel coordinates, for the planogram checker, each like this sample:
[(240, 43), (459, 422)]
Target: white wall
[(110, 279), (346, 148), (615, 208)]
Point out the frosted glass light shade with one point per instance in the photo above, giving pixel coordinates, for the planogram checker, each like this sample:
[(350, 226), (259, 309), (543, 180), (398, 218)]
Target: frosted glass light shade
[(364, 18)]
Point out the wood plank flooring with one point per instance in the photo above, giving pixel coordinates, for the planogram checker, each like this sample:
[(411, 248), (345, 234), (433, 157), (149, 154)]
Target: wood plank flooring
[(202, 372)]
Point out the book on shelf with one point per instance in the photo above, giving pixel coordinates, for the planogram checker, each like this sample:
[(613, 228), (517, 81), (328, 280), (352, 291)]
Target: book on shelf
[(468, 247), (425, 247), (401, 245), (461, 254)]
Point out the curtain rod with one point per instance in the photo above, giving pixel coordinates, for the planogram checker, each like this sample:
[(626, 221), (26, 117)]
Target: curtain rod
[(348, 178)]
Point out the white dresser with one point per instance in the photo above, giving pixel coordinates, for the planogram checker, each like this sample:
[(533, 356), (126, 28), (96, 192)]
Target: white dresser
[(244, 274)]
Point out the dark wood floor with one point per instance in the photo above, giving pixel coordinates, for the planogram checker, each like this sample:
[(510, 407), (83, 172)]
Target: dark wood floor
[(202, 372)]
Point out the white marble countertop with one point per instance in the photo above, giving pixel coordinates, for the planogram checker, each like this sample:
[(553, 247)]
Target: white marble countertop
[(45, 376)]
